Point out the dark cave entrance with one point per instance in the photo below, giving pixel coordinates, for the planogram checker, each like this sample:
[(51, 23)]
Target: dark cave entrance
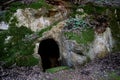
[(49, 52)]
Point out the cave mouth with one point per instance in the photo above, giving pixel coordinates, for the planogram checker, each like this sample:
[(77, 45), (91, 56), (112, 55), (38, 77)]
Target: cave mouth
[(49, 52)]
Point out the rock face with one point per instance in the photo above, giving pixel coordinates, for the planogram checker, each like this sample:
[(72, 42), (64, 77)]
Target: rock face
[(102, 45), (72, 53), (35, 19), (3, 26)]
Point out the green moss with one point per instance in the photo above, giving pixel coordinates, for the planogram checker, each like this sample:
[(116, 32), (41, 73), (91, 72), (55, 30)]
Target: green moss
[(91, 8), (39, 4), (46, 29), (26, 61), (74, 12), (113, 76), (16, 5), (6, 15), (85, 37), (115, 27), (56, 69)]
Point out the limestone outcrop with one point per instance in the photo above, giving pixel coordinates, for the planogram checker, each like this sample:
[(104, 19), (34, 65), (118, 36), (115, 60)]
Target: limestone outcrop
[(72, 53), (41, 18)]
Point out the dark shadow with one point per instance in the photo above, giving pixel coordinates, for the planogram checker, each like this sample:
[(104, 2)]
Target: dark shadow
[(49, 52)]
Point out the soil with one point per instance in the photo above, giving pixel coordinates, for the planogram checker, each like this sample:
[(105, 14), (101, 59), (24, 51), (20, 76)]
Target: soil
[(94, 70)]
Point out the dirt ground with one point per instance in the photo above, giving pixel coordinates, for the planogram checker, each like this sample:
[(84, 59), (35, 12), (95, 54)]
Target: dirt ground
[(98, 69)]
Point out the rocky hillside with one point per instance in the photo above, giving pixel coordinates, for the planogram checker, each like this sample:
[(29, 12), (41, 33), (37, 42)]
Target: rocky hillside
[(53, 35)]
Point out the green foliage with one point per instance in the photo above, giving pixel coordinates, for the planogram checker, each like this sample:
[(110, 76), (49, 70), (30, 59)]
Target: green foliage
[(46, 29), (85, 37), (26, 60), (114, 25), (16, 49), (56, 69), (86, 33), (6, 15), (39, 4), (74, 11), (114, 76), (90, 8), (16, 5)]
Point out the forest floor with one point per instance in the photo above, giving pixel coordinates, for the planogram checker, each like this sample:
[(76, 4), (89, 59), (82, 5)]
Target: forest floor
[(99, 69)]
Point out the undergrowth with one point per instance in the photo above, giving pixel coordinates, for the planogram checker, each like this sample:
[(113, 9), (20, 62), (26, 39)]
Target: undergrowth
[(14, 50)]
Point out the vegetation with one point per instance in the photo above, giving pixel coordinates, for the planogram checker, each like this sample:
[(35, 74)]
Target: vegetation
[(39, 4), (113, 76), (90, 8), (85, 37), (113, 18), (6, 15), (86, 34), (73, 23), (14, 49), (114, 25), (56, 69)]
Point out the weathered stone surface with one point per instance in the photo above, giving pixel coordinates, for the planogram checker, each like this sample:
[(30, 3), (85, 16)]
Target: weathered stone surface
[(3, 25), (35, 19), (102, 45), (72, 53)]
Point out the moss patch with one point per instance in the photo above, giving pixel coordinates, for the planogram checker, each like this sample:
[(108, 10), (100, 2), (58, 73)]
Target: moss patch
[(56, 69), (113, 76), (85, 37), (26, 60)]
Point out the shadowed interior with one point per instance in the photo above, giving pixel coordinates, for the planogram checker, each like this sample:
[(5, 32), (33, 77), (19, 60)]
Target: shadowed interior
[(49, 52)]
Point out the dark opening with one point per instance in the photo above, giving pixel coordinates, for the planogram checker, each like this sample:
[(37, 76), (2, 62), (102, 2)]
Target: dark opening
[(49, 52)]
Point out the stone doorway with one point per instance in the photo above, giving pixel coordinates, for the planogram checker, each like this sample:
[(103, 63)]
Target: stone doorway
[(49, 52)]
